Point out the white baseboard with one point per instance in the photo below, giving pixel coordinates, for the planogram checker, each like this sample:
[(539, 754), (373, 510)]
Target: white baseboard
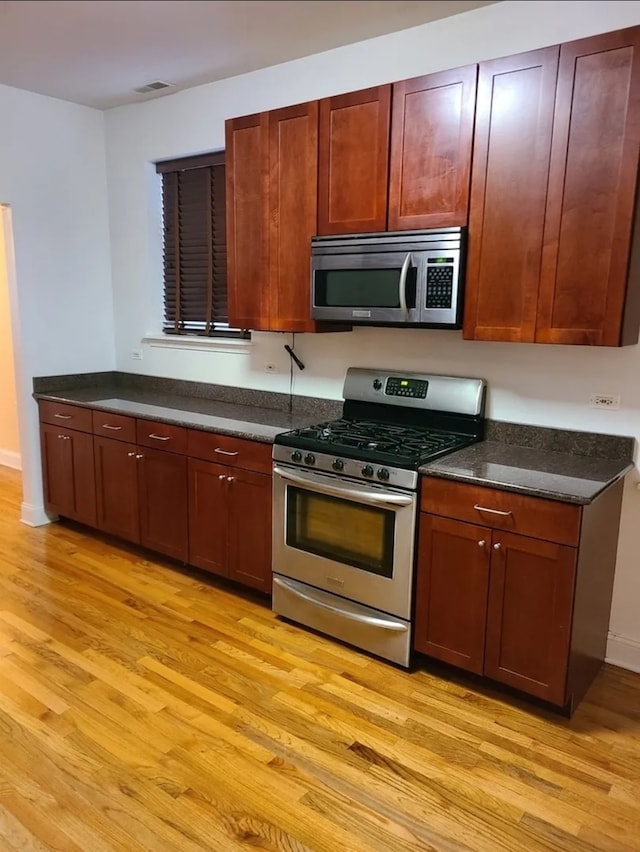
[(623, 652), (10, 459), (34, 516)]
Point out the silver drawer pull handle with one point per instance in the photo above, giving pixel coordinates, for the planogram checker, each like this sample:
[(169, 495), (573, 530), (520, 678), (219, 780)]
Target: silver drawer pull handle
[(225, 452), (159, 437), (114, 428), (492, 511), (64, 416)]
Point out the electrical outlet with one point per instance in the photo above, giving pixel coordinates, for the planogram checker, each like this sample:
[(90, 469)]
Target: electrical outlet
[(136, 354), (606, 400), (270, 368)]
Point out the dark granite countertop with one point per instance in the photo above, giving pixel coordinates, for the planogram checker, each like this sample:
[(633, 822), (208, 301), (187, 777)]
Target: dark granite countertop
[(564, 465), (243, 418), (531, 470)]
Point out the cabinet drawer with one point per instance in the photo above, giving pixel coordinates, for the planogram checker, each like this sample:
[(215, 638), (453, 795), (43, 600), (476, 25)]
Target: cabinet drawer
[(62, 414), (114, 426), (161, 436), (550, 520), (225, 449)]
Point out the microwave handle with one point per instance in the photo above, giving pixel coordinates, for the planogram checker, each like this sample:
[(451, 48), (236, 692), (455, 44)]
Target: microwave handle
[(402, 284)]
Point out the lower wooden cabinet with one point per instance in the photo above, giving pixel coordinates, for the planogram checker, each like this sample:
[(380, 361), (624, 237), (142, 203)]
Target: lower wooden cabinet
[(117, 488), (68, 476), (196, 496), (230, 514), (519, 609)]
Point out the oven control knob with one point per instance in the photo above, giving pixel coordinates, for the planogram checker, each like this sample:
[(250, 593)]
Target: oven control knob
[(377, 384), (309, 458), (383, 474), (337, 464), (367, 470), (296, 456)]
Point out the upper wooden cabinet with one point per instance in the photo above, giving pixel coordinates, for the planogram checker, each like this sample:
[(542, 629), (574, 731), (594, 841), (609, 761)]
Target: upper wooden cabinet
[(293, 204), (431, 137), (514, 119), (553, 188), (247, 179), (272, 191), (592, 188), (397, 157), (354, 162)]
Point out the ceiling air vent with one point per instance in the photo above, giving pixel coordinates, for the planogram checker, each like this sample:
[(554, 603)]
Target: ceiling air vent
[(156, 86)]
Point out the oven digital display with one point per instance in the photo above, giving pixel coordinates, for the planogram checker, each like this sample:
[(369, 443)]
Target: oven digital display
[(411, 388)]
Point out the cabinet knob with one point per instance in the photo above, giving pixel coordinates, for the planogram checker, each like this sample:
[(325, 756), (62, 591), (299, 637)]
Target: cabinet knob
[(497, 546), (139, 456), (131, 455), (222, 477), (63, 437), (481, 543), (230, 478)]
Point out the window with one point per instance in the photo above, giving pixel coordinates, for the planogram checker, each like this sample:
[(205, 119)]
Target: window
[(195, 247)]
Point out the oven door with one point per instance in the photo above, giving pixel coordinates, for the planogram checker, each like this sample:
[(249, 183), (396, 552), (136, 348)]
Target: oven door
[(367, 287), (353, 539)]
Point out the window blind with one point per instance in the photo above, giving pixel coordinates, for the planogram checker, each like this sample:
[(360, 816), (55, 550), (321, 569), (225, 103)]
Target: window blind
[(195, 248)]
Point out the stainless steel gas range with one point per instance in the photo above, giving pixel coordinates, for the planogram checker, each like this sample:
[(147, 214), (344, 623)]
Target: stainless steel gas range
[(345, 504)]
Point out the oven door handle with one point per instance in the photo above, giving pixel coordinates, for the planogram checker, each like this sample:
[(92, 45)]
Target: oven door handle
[(360, 494), (402, 284), (370, 620)]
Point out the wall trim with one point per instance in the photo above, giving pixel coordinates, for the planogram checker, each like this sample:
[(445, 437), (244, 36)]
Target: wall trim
[(624, 652), (9, 458), (34, 516)]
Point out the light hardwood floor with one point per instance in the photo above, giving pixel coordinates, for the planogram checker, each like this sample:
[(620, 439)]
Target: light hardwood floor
[(145, 708)]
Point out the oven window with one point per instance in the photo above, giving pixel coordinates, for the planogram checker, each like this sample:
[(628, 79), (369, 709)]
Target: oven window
[(357, 288), (340, 530)]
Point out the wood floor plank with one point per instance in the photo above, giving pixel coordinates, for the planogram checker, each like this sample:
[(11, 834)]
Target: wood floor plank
[(149, 708)]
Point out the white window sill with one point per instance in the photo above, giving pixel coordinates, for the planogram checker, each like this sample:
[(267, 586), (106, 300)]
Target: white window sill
[(202, 344)]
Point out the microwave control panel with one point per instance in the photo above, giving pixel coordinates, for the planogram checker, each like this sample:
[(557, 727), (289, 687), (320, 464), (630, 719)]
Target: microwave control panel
[(439, 282)]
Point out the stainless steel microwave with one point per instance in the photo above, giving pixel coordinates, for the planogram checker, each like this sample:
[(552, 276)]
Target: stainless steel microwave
[(393, 278)]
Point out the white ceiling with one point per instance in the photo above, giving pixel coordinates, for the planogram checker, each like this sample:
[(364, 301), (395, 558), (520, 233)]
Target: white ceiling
[(96, 53)]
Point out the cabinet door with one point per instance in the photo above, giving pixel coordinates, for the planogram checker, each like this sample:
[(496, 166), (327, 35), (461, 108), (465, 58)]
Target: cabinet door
[(594, 168), (250, 529), (69, 480), (452, 589), (162, 495), (353, 165), (293, 219), (530, 613), (510, 172), (247, 205), (117, 488), (208, 516), (431, 136)]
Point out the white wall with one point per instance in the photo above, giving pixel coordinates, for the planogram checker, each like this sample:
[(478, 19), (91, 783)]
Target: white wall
[(9, 437), (547, 385), (53, 175)]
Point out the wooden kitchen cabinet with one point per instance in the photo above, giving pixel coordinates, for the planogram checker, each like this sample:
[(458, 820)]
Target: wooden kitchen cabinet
[(68, 475), (451, 592), (354, 162), (272, 192), (142, 491), (397, 157), (430, 161), (529, 614), (230, 508), (247, 213), (553, 189), (516, 588)]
